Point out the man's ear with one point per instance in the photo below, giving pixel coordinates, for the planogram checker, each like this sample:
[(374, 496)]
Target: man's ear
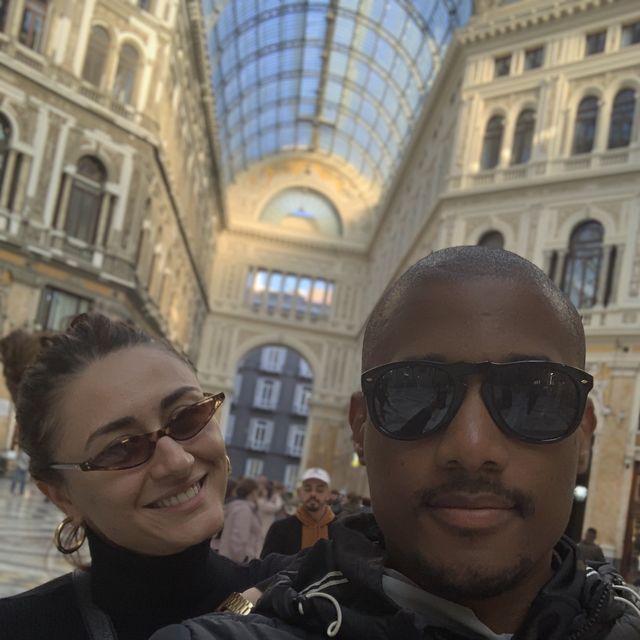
[(357, 419), (59, 495), (585, 436)]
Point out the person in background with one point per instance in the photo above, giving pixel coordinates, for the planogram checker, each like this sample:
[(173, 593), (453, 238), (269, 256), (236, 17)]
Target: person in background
[(589, 549), (352, 505), (20, 473), (312, 521), (124, 441), (241, 538), (270, 503), (335, 502)]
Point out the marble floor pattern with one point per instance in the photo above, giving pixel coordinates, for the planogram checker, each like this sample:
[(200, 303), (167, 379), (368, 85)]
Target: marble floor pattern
[(27, 554)]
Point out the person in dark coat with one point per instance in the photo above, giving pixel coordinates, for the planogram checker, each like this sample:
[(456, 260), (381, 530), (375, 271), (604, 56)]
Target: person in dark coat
[(313, 521), (92, 412), (589, 549), (473, 423)]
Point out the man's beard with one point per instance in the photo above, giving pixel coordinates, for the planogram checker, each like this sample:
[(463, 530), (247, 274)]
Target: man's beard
[(473, 583), (312, 505)]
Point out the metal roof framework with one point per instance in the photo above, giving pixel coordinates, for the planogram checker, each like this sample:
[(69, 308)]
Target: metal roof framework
[(341, 78)]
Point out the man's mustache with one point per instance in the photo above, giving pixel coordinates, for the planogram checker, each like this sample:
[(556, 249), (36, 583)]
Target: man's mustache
[(522, 502)]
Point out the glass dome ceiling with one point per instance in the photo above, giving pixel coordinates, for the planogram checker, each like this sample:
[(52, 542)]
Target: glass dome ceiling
[(341, 78)]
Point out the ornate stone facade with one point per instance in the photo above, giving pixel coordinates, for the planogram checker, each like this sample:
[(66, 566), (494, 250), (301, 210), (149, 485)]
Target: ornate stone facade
[(139, 124), (193, 260)]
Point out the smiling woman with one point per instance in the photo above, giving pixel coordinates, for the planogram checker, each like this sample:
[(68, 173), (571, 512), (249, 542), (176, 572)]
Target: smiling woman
[(93, 412)]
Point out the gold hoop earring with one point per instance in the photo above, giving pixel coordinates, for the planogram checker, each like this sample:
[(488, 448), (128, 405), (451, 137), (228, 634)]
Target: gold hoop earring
[(229, 469), (71, 541)]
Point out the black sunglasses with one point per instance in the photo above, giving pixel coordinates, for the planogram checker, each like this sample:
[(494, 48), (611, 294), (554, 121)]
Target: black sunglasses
[(532, 400), (132, 451)]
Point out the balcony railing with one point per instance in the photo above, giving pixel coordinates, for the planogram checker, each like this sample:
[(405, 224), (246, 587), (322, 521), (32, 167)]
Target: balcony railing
[(67, 82), (557, 167), (56, 243)]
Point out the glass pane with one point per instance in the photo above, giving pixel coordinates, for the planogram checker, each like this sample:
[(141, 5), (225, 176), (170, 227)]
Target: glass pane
[(381, 50)]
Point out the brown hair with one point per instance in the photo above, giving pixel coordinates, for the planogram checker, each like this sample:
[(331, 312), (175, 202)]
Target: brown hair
[(90, 337), (245, 487)]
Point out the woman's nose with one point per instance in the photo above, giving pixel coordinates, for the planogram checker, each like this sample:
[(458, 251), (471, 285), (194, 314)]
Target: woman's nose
[(171, 459)]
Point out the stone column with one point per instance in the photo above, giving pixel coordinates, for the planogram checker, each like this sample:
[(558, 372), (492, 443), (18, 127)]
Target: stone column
[(328, 445), (7, 178)]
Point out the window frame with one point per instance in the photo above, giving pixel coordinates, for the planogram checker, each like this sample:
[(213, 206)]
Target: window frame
[(96, 65), (259, 434), (522, 146), (296, 432), (496, 140), (76, 221), (125, 93), (267, 400), (534, 58), (502, 65), (584, 118), (633, 29), (581, 256), (31, 38), (45, 307), (621, 120), (602, 39), (249, 465), (487, 239)]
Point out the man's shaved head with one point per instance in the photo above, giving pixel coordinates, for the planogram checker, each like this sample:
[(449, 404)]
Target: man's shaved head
[(459, 265)]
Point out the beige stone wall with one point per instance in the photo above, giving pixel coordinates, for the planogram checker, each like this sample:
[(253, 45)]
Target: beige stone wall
[(157, 231)]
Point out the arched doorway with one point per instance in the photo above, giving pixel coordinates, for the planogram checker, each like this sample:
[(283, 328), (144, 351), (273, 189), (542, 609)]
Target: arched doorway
[(265, 431)]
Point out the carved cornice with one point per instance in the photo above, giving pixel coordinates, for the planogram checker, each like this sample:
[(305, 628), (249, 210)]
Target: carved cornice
[(511, 18)]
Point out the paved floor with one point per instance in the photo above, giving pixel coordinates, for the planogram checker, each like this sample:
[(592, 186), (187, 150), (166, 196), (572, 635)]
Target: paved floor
[(27, 554)]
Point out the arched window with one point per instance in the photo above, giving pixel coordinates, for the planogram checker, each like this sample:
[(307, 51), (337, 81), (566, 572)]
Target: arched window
[(624, 106), (5, 144), (586, 121), (85, 200), (584, 262), (492, 143), (126, 73), (305, 210), (96, 58), (491, 240), (523, 137), (32, 24)]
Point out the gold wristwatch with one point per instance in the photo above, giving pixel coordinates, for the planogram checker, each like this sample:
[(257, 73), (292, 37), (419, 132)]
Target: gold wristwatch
[(236, 603)]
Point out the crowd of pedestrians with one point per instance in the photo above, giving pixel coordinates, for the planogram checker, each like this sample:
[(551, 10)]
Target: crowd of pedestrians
[(262, 517)]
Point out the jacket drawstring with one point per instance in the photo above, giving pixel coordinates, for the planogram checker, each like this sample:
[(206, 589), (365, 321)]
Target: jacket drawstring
[(334, 627), (627, 600)]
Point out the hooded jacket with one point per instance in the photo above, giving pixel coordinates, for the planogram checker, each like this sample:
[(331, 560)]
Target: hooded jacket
[(241, 538), (336, 590)]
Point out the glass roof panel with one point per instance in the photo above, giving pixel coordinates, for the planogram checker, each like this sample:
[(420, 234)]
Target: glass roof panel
[(337, 77)]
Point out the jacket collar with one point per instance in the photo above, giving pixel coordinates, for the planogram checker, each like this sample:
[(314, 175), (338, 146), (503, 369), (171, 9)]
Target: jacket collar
[(576, 603)]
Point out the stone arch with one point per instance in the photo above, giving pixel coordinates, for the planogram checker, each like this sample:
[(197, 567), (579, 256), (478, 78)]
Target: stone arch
[(240, 349), (494, 225), (8, 112), (95, 152), (590, 212)]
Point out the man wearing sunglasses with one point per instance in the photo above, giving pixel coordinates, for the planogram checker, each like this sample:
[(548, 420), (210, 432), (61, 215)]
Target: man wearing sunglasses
[(473, 423)]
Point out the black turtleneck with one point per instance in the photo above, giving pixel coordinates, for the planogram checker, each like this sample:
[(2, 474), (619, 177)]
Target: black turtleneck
[(139, 593)]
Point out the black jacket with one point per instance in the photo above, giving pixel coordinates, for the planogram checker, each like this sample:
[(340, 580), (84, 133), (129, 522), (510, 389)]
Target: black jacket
[(285, 536), (576, 604), (138, 593)]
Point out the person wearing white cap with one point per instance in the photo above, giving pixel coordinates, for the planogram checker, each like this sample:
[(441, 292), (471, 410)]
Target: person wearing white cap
[(312, 521)]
